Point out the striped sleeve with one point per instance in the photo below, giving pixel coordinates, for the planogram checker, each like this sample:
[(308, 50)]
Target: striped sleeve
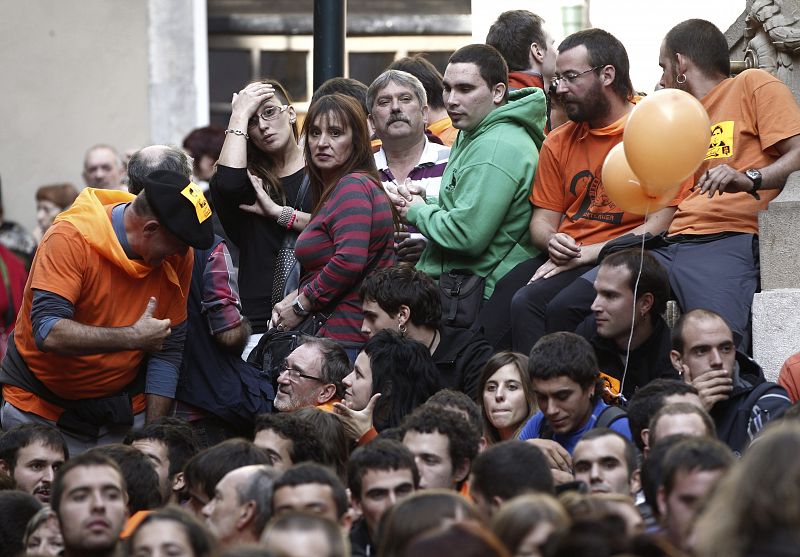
[(347, 219)]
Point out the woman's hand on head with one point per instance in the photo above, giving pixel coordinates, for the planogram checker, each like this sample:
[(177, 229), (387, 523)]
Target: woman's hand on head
[(246, 102)]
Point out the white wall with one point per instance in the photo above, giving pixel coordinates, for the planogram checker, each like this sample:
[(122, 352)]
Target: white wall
[(639, 25), (74, 73)]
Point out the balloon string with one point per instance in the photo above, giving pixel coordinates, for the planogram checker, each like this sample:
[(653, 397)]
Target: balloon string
[(633, 317)]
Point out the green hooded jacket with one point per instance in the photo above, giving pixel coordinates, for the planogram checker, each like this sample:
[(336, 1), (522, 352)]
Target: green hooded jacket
[(480, 222)]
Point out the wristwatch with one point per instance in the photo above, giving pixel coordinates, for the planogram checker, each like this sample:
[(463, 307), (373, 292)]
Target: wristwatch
[(298, 308), (755, 176)]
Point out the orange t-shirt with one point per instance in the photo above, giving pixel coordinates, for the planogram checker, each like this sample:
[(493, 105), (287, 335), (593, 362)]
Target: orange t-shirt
[(106, 291), (444, 130), (789, 376), (749, 114), (568, 180)]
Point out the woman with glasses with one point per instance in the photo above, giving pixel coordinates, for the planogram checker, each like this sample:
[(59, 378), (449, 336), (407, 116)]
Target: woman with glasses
[(257, 192), (350, 233)]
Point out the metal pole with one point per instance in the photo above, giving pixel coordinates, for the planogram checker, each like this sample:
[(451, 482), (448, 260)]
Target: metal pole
[(329, 34)]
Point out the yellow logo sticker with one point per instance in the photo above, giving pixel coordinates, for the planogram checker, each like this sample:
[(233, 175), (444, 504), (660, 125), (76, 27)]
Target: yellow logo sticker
[(721, 144), (193, 193)]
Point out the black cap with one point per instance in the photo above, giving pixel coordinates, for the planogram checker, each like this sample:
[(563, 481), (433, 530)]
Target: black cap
[(181, 206)]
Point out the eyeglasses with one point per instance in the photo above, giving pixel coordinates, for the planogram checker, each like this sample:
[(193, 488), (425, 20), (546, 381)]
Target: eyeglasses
[(570, 77), (296, 374), (269, 113)]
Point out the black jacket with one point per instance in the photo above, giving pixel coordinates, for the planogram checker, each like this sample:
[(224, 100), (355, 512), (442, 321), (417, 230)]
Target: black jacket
[(460, 357), (753, 403), (647, 362)]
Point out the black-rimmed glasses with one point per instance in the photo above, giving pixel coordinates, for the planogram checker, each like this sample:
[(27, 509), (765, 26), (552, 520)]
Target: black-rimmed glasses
[(570, 77), (296, 374)]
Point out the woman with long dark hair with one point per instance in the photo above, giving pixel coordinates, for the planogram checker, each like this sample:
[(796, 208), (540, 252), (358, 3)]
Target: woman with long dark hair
[(257, 192), (350, 233), (400, 369), (507, 400)]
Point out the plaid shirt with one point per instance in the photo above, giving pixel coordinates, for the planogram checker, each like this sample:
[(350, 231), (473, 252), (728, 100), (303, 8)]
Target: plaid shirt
[(222, 305)]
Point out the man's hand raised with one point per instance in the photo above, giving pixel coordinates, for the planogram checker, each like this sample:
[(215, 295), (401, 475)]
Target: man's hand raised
[(148, 332)]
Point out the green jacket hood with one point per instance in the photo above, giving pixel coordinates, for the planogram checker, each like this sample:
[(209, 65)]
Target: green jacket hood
[(526, 108)]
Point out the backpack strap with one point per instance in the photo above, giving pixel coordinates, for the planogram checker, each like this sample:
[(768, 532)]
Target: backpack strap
[(766, 389), (609, 415)]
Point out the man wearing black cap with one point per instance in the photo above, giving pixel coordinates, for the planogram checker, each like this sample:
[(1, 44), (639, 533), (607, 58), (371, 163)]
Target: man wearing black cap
[(106, 299)]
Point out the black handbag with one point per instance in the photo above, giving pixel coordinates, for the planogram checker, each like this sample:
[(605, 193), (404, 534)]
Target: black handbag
[(286, 274), (461, 293), (276, 344)]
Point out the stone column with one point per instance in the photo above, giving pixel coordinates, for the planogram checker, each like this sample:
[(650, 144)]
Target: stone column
[(178, 57), (776, 309), (767, 36)]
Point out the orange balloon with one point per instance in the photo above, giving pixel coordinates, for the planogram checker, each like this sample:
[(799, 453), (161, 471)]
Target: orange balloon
[(666, 138), (624, 188)]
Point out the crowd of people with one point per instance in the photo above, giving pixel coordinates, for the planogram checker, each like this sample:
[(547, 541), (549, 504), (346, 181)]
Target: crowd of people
[(412, 324)]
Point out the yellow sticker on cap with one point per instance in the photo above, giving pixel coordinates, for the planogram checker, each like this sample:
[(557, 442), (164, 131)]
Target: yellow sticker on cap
[(193, 193)]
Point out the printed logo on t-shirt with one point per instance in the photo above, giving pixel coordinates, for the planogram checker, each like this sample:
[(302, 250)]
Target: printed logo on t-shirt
[(721, 144), (595, 205)]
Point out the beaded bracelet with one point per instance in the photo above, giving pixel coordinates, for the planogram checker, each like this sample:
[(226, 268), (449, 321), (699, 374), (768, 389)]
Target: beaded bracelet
[(237, 132), (291, 220), (286, 214)]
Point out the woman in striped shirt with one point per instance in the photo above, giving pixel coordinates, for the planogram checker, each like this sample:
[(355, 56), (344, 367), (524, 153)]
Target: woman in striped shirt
[(351, 229)]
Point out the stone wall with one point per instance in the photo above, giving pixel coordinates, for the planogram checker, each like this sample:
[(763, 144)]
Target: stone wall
[(767, 36)]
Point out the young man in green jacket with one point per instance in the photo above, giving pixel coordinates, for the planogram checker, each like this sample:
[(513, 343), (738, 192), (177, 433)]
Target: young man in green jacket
[(480, 221)]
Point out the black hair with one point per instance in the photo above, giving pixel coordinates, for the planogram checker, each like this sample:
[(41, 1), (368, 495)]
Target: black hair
[(312, 473), (564, 354), (89, 459), (380, 454), (648, 400), (703, 43), (139, 473), (457, 401), (334, 446), (694, 454), (654, 278), (403, 372), (404, 285), (428, 75), (513, 33), (305, 443), (18, 437), (604, 50), (492, 67), (16, 509), (430, 418), (207, 468), (631, 455), (176, 435), (511, 468)]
